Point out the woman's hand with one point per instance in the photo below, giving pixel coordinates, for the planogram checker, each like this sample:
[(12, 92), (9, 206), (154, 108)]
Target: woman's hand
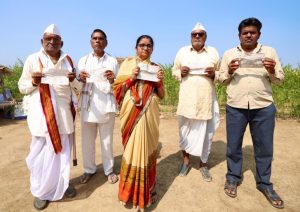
[(135, 72), (160, 75)]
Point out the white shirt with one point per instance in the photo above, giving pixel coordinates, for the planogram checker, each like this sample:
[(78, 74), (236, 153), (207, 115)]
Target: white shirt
[(61, 95), (101, 101)]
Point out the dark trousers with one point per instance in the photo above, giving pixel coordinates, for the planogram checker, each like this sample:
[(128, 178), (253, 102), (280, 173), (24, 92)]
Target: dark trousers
[(262, 124)]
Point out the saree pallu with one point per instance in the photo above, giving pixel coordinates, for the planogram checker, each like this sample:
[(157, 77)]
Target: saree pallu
[(140, 131)]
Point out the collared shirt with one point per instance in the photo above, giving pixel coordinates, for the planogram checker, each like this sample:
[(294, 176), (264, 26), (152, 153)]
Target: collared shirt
[(101, 99), (250, 88), (196, 91), (62, 94)]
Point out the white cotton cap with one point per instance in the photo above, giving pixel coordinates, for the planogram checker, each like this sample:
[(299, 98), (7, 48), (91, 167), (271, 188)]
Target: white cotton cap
[(52, 29), (198, 26)]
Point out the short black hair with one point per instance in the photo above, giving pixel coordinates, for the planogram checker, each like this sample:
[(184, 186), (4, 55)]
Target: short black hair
[(144, 36), (100, 31), (250, 22)]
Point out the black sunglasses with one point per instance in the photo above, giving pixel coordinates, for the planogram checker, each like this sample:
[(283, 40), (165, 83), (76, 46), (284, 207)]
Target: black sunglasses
[(200, 34)]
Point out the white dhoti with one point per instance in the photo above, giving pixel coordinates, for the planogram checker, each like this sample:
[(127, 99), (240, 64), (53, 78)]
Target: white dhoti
[(89, 132), (49, 172), (195, 136)]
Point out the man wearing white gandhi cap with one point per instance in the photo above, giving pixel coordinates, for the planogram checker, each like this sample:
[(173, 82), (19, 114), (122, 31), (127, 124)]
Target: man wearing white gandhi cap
[(50, 118), (198, 110)]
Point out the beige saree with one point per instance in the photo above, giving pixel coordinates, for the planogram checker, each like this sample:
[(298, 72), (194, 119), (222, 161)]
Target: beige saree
[(139, 116)]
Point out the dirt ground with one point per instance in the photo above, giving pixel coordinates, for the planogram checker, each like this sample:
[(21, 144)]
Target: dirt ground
[(188, 193)]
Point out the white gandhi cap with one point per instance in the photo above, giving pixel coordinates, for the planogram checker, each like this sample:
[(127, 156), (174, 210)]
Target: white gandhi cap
[(198, 26), (52, 29)]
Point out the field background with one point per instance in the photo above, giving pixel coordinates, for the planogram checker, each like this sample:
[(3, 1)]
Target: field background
[(286, 96)]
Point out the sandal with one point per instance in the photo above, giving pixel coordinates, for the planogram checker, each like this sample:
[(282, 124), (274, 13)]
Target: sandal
[(40, 204), (154, 197), (230, 188), (112, 178), (205, 174), (272, 197), (85, 178), (184, 170), (70, 192)]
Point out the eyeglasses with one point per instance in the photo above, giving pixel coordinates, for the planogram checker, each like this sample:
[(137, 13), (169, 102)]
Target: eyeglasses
[(200, 34), (142, 46)]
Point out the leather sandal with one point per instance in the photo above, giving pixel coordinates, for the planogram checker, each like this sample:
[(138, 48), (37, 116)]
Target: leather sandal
[(112, 178), (154, 197), (230, 188), (85, 178), (70, 192), (184, 170), (272, 197), (40, 204), (205, 174)]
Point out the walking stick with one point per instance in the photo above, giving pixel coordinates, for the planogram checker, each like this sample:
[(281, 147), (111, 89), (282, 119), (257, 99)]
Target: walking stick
[(73, 109), (74, 150)]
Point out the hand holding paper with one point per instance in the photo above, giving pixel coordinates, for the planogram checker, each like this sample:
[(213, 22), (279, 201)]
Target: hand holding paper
[(55, 76), (148, 72), (96, 75), (253, 60)]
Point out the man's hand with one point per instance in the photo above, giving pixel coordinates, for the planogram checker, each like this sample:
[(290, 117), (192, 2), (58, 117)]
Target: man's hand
[(110, 76), (71, 76), (184, 71), (269, 64), (233, 65), (36, 78), (210, 72), (83, 75)]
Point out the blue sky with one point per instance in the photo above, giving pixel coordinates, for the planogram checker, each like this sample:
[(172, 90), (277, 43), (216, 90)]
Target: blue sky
[(168, 22)]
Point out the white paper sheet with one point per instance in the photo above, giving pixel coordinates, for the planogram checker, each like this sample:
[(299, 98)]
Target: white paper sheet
[(96, 75), (253, 60), (197, 71), (55, 76), (197, 67), (148, 72)]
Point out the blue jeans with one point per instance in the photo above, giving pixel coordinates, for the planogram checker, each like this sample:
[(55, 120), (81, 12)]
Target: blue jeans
[(262, 124)]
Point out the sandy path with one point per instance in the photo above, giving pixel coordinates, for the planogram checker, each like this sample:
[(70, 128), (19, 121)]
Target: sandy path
[(190, 193)]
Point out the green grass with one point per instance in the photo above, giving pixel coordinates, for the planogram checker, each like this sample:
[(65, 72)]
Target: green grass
[(286, 96)]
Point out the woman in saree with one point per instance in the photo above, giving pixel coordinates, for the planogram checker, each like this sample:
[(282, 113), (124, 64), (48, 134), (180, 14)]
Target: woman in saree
[(138, 101)]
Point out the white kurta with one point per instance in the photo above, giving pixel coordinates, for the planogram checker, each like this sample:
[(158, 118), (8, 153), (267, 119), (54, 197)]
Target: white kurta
[(49, 172), (61, 93), (98, 115)]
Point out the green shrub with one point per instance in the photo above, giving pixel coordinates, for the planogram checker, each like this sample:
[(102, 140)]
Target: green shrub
[(286, 96), (11, 81), (171, 87)]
